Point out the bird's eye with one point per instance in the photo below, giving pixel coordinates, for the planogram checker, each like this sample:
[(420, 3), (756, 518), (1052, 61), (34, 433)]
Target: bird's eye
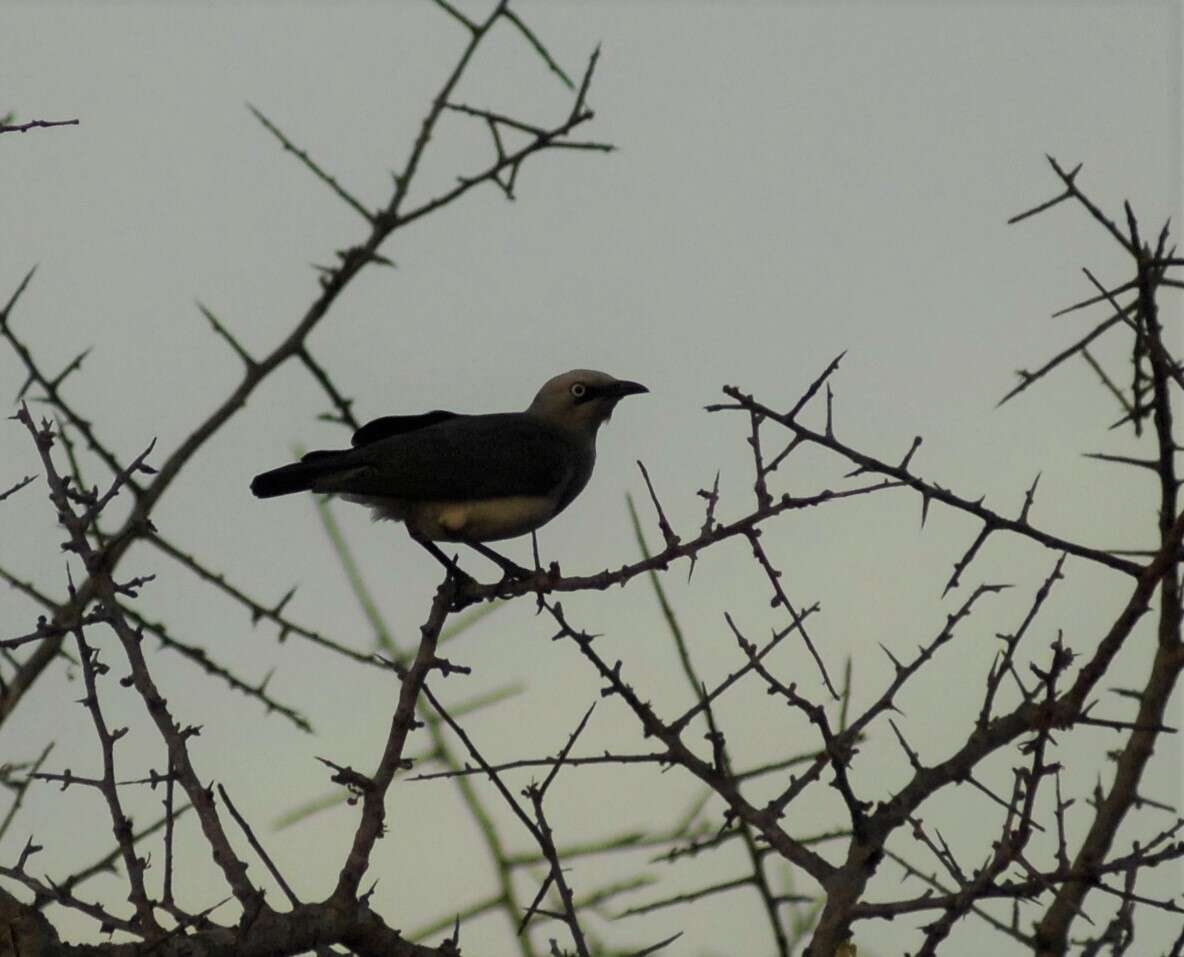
[(579, 390)]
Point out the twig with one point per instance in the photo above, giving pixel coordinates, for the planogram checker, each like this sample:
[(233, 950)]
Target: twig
[(35, 125)]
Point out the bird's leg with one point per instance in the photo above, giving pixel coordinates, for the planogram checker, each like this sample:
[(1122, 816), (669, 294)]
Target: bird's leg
[(511, 569), (453, 568)]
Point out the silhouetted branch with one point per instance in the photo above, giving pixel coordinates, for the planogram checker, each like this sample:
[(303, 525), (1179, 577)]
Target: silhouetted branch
[(34, 125)]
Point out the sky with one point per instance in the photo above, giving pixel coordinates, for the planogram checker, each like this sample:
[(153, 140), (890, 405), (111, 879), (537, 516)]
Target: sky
[(791, 181)]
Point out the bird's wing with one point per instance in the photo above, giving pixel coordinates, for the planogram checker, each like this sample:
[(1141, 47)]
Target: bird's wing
[(390, 425), (464, 458)]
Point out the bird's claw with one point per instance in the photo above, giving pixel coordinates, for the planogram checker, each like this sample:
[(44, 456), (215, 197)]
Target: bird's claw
[(462, 578), (513, 572)]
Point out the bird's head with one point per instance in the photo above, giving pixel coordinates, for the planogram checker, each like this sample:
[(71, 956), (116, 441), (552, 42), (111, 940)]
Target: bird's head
[(581, 399)]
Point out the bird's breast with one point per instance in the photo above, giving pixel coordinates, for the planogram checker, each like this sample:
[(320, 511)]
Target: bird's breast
[(486, 520)]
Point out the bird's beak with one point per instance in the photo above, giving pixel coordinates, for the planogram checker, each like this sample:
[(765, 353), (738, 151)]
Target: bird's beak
[(622, 388)]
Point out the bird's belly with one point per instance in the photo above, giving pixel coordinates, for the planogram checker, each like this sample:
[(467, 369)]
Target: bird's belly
[(481, 521)]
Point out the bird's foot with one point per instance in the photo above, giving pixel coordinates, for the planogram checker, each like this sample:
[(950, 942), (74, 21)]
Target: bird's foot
[(511, 571), (462, 578), (455, 572), (516, 574)]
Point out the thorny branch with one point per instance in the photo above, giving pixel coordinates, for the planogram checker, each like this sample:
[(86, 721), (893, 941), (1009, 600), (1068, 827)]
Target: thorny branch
[(1051, 697), (1057, 700), (346, 918), (334, 281)]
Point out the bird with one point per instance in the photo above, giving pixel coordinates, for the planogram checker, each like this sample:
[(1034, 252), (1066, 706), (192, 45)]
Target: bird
[(469, 479)]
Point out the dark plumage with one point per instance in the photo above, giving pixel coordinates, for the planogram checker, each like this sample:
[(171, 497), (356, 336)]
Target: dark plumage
[(472, 457), (467, 478)]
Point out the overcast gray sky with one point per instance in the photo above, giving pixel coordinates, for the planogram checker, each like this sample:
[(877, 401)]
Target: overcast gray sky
[(792, 181)]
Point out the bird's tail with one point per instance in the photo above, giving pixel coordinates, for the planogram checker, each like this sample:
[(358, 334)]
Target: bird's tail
[(302, 476)]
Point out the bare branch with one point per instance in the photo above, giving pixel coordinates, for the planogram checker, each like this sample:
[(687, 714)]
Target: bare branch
[(35, 125)]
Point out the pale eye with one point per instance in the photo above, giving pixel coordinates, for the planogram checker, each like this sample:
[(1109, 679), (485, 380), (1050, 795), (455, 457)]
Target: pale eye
[(579, 390)]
